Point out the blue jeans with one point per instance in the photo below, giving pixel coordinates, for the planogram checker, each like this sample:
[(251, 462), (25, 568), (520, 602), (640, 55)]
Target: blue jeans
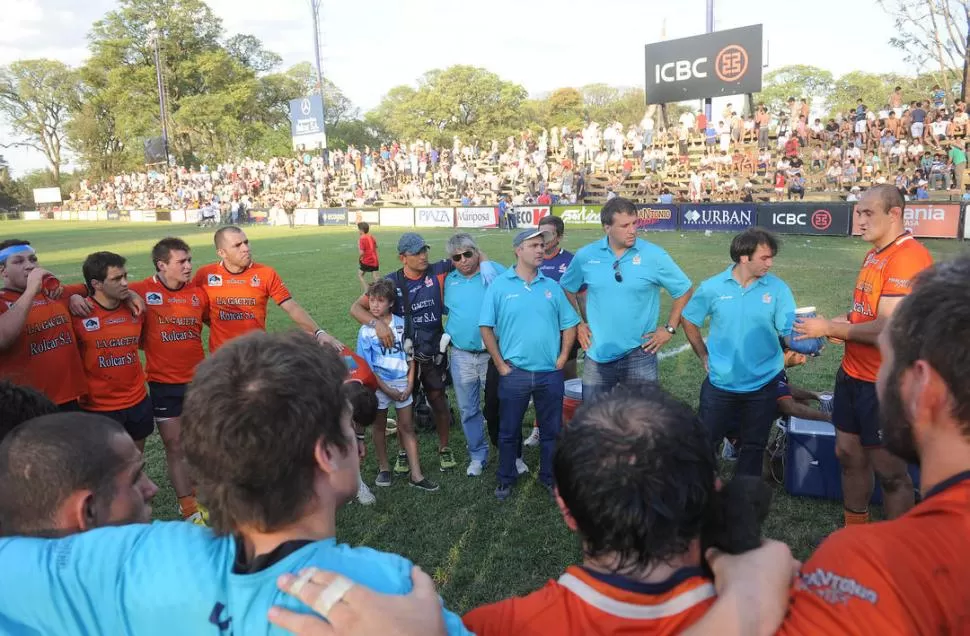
[(468, 371), (634, 368), (514, 390), (751, 413)]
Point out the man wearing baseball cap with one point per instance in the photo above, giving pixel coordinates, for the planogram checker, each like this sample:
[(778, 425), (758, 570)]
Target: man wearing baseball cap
[(520, 308), (419, 301)]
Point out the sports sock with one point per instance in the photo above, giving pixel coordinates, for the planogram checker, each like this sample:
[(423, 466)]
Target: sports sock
[(188, 506), (853, 518)]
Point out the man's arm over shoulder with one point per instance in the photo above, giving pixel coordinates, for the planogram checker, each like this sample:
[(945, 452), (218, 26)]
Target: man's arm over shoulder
[(573, 277)]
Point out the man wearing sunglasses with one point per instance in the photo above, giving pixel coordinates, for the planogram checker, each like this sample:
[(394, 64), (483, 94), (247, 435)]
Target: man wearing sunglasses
[(464, 291), (623, 275)]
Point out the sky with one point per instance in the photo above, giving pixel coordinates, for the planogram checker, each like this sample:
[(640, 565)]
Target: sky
[(369, 47)]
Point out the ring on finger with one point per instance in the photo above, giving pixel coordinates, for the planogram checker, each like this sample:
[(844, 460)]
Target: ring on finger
[(331, 595)]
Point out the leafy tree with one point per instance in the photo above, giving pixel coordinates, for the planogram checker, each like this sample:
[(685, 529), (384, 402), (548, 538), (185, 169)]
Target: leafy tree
[(249, 51), (796, 80), (565, 107), (932, 34), (36, 97)]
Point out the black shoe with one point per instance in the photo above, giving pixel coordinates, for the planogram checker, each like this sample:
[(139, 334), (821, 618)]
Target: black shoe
[(425, 484)]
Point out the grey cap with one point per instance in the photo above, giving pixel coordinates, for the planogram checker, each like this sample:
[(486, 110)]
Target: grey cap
[(411, 243), (525, 235)]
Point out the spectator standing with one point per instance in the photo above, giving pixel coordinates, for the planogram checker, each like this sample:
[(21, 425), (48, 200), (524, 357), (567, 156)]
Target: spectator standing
[(749, 309), (623, 275), (528, 329)]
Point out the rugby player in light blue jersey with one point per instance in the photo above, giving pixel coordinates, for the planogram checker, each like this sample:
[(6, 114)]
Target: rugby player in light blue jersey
[(268, 436)]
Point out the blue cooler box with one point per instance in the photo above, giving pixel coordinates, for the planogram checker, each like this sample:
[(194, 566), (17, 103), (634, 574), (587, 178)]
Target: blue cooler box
[(811, 467)]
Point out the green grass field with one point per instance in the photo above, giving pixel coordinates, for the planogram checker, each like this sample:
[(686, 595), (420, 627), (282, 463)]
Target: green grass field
[(477, 549)]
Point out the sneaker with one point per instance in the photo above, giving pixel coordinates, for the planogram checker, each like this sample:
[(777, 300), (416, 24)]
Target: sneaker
[(197, 519), (364, 495), (425, 484), (383, 479), (728, 452), (475, 468), (391, 427), (401, 465), (503, 491), (521, 467), (446, 459), (533, 439)]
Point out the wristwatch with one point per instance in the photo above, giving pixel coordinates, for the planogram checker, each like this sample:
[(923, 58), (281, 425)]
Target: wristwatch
[(669, 329)]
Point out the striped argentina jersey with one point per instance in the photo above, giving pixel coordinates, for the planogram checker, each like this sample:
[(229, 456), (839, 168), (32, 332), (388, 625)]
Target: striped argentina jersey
[(387, 364)]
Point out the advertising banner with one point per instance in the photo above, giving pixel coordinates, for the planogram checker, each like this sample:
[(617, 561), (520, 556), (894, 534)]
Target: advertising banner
[(256, 215), (370, 217), (113, 215), (178, 216), (102, 215), (711, 65), (302, 216), (135, 216), (333, 216), (928, 220), (826, 219), (47, 195), (191, 216), (306, 122), (529, 215), (434, 217), (163, 215), (656, 216), (73, 215), (149, 216), (579, 215), (397, 217), (60, 215), (717, 217), (124, 215), (32, 215), (476, 217)]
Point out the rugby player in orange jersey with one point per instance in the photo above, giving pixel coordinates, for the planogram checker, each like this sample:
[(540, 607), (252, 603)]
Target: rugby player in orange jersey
[(38, 347), (886, 277), (109, 339), (172, 339), (239, 290)]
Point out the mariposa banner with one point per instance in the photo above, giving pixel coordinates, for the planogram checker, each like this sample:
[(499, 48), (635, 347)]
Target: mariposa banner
[(827, 219), (711, 65), (928, 220), (717, 217), (656, 216), (477, 217)]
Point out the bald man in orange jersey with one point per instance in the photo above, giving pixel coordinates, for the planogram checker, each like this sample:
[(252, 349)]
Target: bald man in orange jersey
[(239, 290)]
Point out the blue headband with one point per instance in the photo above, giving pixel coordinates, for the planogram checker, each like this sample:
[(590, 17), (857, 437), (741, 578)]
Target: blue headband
[(14, 249)]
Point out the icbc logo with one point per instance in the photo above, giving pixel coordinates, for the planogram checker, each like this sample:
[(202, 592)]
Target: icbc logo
[(821, 220), (731, 63)]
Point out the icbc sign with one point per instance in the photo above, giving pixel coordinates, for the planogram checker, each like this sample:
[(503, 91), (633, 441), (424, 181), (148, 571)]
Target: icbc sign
[(805, 218), (721, 63)]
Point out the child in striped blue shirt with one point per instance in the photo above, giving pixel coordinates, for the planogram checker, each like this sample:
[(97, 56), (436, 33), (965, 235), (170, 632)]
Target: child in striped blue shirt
[(395, 371)]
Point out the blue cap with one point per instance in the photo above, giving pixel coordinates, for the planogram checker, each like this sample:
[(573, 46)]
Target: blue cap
[(525, 235), (411, 243)]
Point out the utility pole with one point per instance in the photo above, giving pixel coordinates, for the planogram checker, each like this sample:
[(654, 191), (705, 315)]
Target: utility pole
[(710, 29), (156, 36), (315, 7)]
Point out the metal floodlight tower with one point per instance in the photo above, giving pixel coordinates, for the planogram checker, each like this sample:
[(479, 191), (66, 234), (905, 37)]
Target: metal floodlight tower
[(163, 116), (315, 9)]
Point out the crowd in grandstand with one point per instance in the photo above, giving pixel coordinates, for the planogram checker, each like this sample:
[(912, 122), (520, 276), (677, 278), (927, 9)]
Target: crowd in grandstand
[(271, 426), (918, 146)]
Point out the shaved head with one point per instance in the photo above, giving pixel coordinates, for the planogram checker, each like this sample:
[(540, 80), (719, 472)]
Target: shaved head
[(887, 195), (220, 235)]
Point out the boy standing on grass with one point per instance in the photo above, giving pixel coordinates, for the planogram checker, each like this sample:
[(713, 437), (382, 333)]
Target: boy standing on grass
[(367, 248), (395, 372)]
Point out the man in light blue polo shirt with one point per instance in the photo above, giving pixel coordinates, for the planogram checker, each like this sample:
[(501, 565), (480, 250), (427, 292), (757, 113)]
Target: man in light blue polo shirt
[(535, 328), (623, 275), (749, 310), (464, 290)]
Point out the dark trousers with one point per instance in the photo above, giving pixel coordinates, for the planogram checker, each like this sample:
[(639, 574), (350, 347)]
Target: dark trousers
[(750, 413), (514, 390), (492, 411)]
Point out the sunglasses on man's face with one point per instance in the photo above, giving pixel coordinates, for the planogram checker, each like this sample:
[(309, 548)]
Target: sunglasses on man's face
[(466, 254)]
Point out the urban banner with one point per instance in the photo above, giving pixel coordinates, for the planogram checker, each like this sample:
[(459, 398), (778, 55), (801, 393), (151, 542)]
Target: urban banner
[(928, 220), (333, 216), (656, 216), (397, 217), (530, 215), (828, 219), (476, 217), (712, 65), (727, 217), (579, 215), (434, 217), (371, 217)]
